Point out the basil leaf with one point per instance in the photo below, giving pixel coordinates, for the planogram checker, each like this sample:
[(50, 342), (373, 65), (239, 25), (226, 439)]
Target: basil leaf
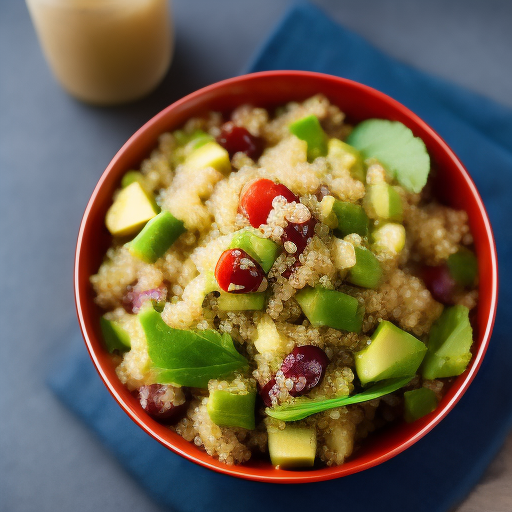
[(304, 407), (188, 358), (394, 145)]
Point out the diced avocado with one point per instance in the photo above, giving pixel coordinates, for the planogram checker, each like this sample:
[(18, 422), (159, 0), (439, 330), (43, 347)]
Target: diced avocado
[(193, 140), (242, 301), (199, 138), (268, 338), (331, 308), (327, 216), (418, 403), (308, 129), (210, 281), (114, 336), (393, 353), (131, 209), (228, 409), (449, 344), (156, 237), (263, 250), (388, 238), (382, 201), (367, 271), (182, 137), (351, 219), (463, 267), (342, 154), (292, 447), (132, 177), (343, 254), (210, 154)]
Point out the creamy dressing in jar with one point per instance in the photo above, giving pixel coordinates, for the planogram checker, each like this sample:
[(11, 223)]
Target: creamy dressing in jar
[(105, 51)]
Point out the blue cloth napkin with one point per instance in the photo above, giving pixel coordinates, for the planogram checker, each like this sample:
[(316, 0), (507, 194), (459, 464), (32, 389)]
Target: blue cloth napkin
[(439, 470)]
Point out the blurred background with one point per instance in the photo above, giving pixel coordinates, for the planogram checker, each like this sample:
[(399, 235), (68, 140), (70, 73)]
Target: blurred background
[(53, 149)]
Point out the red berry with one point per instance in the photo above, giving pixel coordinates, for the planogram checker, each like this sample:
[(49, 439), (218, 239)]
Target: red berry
[(256, 200), (299, 234), (439, 282), (321, 192), (237, 272), (291, 269), (268, 391), (305, 366), (235, 138), (154, 401)]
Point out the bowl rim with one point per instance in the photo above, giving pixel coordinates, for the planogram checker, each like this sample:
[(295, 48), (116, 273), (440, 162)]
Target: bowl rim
[(314, 475)]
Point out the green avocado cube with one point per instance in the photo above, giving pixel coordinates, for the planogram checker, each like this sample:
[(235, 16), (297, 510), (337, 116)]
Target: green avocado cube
[(209, 154), (132, 177), (131, 209), (263, 250), (228, 409), (114, 336), (292, 447), (388, 238), (196, 138), (367, 271), (419, 403), (382, 201), (308, 129), (392, 353), (327, 216), (341, 154), (242, 301), (268, 338), (351, 219), (156, 237), (210, 282), (331, 308), (449, 344), (463, 267)]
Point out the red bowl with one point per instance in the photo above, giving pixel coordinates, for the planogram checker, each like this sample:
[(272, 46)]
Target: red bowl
[(270, 89)]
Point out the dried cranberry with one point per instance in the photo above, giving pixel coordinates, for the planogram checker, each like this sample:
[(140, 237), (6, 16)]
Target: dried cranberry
[(305, 366), (268, 391), (439, 282), (154, 401), (237, 272), (134, 300), (321, 192), (256, 200), (299, 234), (291, 269), (235, 138)]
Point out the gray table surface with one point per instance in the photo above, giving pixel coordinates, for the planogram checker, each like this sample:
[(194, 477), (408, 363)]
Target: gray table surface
[(52, 151)]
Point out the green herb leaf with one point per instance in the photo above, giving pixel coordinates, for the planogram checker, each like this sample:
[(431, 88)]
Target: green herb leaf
[(303, 407), (188, 358), (394, 146), (463, 267)]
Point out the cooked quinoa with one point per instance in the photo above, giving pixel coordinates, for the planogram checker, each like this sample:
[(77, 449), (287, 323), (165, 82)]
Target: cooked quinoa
[(207, 201)]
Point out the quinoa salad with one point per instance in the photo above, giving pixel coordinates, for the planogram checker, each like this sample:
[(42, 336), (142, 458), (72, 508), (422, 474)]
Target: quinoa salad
[(281, 284)]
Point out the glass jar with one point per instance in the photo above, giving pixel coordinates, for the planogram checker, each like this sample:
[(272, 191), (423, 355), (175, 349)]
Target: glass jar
[(105, 52)]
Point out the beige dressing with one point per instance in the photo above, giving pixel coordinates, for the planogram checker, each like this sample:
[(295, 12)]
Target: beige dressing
[(105, 51)]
